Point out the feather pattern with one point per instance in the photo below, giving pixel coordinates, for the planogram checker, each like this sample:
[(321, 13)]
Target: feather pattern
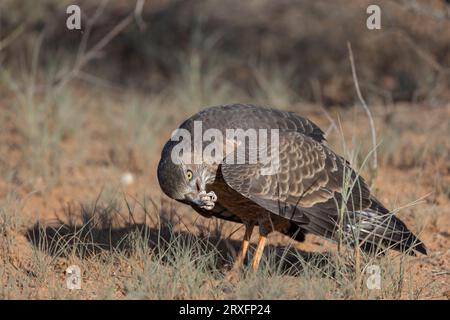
[(312, 190)]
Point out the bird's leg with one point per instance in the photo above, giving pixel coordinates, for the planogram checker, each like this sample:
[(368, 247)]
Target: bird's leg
[(234, 273), (244, 246), (259, 251)]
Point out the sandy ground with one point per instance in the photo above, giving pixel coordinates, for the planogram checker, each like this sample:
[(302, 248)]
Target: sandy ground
[(397, 183)]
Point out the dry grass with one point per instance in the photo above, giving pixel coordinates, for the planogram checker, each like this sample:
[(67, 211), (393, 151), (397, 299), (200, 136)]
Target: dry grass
[(129, 244), (65, 149), (142, 259)]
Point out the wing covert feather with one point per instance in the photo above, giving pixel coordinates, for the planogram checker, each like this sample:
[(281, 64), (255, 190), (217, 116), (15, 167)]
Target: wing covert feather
[(309, 174)]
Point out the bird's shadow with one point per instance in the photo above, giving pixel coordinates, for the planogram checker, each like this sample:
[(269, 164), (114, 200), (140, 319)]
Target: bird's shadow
[(62, 239)]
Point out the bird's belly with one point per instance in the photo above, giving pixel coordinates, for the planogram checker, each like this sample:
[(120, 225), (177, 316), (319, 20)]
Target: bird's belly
[(247, 210)]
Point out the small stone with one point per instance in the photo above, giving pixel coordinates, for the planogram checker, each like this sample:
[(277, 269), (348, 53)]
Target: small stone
[(127, 178)]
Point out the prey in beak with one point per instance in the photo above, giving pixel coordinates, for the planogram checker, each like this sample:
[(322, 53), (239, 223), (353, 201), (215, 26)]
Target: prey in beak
[(204, 200)]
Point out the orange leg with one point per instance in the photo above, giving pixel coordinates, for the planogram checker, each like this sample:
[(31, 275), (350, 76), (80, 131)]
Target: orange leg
[(259, 251), (244, 247)]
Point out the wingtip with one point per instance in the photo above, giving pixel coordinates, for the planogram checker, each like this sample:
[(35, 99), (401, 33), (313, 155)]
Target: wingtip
[(421, 248)]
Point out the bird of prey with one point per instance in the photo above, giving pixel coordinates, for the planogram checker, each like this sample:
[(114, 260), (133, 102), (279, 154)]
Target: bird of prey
[(313, 190)]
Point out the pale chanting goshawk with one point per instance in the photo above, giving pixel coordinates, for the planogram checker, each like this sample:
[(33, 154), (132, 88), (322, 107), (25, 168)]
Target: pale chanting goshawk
[(312, 191)]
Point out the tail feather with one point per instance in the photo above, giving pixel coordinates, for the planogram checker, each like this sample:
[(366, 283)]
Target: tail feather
[(382, 230), (373, 228)]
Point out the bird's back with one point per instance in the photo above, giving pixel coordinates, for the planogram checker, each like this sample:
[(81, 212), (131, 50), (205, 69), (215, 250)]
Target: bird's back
[(250, 116)]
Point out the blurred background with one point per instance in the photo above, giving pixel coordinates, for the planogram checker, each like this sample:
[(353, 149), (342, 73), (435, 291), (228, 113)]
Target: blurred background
[(135, 70), (84, 113), (242, 42)]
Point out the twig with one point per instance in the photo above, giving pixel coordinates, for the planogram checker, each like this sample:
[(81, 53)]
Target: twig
[(364, 105), (89, 25), (138, 15), (423, 54), (440, 273), (83, 56), (11, 37)]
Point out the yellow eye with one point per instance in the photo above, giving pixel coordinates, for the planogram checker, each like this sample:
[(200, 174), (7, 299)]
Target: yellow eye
[(189, 175)]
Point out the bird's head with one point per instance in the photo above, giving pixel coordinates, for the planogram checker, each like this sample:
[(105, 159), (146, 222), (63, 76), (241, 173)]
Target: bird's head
[(186, 182)]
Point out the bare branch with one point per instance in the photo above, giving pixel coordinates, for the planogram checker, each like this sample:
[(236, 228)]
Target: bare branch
[(85, 56), (138, 14)]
